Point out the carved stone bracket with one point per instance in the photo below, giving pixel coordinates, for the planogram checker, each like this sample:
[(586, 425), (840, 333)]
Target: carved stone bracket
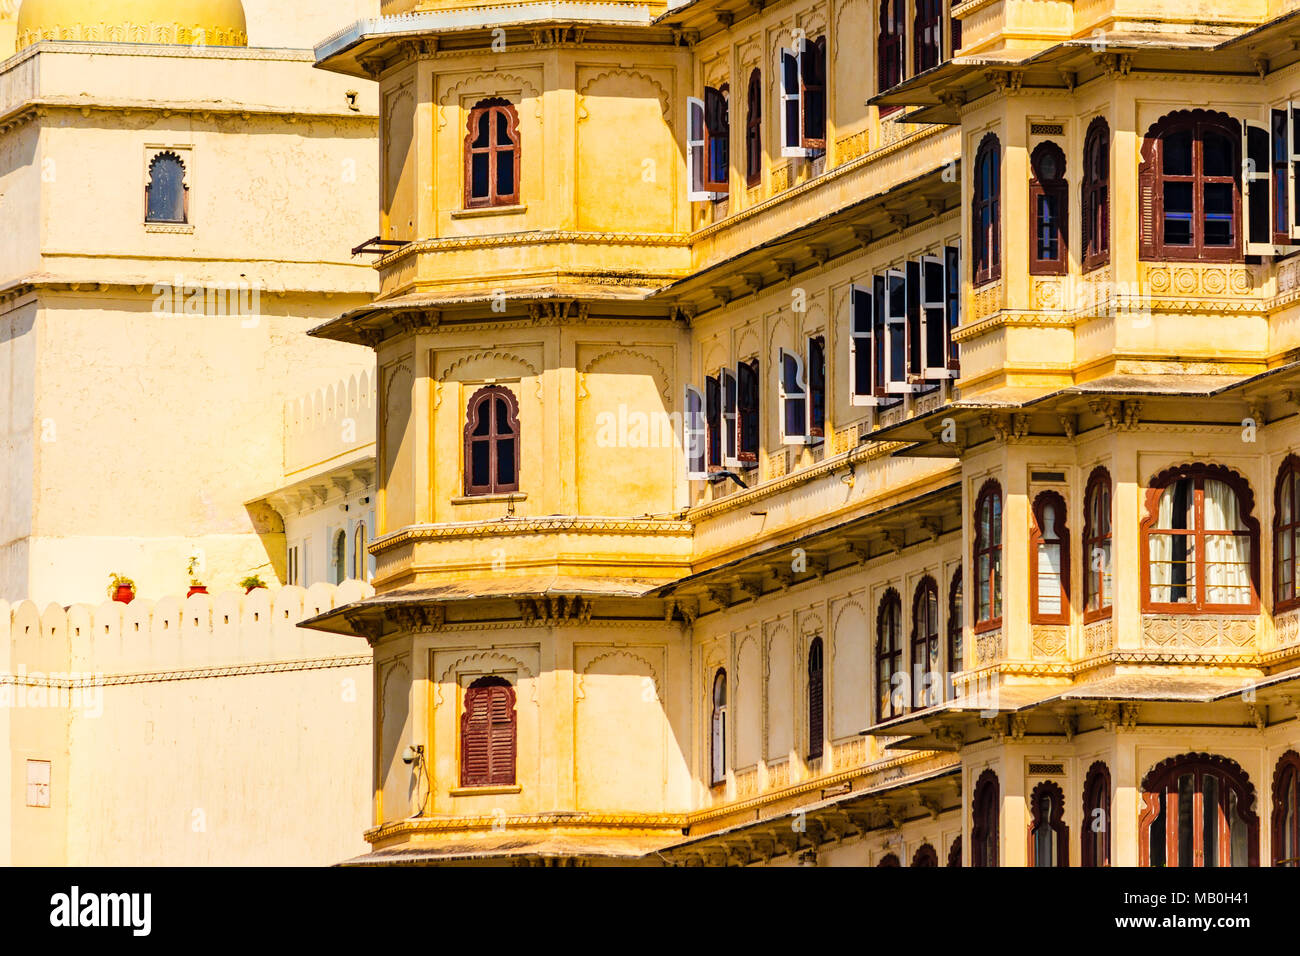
[(371, 630), (551, 611), (417, 618)]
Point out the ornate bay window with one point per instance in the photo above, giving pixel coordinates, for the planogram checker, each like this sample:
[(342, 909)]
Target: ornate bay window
[(1096, 546), (1198, 811), (1190, 187), (889, 656), (1048, 204), (988, 556), (986, 212), (1049, 580)]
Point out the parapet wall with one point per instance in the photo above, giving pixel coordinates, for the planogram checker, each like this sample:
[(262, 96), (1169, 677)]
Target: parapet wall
[(329, 423)]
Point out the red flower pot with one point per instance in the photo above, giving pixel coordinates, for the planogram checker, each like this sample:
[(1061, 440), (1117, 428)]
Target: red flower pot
[(124, 594), (253, 588), (197, 589)]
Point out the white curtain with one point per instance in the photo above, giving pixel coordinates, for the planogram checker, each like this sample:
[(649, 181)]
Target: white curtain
[(1162, 549), (1227, 556), (1049, 578)]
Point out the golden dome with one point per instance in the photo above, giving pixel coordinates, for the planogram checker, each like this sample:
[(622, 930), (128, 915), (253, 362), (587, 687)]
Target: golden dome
[(188, 22)]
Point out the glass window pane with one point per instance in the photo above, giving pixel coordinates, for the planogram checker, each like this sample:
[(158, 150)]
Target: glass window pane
[(1216, 155), (479, 472), (505, 172), (1177, 150), (1186, 804), (505, 461), (479, 175)]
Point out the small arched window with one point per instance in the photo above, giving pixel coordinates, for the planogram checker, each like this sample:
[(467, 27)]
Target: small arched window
[(1190, 187), (340, 561), (984, 820), (926, 670), (988, 556), (1096, 816), (986, 212), (955, 630), (1095, 205), (954, 851), (1096, 546), (925, 855), (492, 154), (488, 734), (1049, 842), (1201, 542), (167, 197), (928, 32), (890, 45), (718, 728), (360, 557), (889, 859), (891, 700), (816, 720), (754, 130), (1049, 541), (492, 442), (1286, 810), (1286, 535), (1199, 811), (1049, 202)]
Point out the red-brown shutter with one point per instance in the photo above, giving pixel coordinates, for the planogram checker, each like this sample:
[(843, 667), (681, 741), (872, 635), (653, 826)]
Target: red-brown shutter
[(487, 733), (502, 736), (1149, 200), (474, 757)]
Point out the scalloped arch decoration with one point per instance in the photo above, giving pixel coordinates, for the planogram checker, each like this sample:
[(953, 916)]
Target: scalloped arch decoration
[(491, 658), (661, 374), (629, 74), (491, 85), (581, 693)]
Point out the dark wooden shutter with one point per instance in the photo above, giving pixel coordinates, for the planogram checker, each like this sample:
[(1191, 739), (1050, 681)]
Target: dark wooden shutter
[(488, 734), (501, 743), (474, 758), (1149, 200), (815, 708)]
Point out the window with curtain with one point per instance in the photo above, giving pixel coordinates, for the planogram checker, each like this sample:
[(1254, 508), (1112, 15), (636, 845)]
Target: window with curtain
[(925, 856), (1201, 541), (1096, 195), (1096, 546), (492, 442), (986, 222), (1286, 810), (954, 631), (1286, 535), (926, 669), (1049, 540), (1049, 840), (718, 730), (1095, 844), (889, 656), (815, 704), (1189, 187), (166, 194), (1048, 203), (492, 154), (1198, 811), (487, 734), (984, 820), (754, 130), (988, 556)]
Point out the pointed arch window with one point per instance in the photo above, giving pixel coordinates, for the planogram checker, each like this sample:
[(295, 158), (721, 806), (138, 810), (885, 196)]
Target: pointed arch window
[(167, 196), (492, 442), (889, 859), (360, 558), (1189, 186), (925, 856), (718, 730), (1049, 543), (1049, 841), (1096, 816), (1286, 810), (984, 820), (1096, 195), (988, 556), (488, 734), (986, 212), (816, 710), (340, 561), (890, 702), (926, 669), (1286, 535), (955, 630), (1049, 201), (1198, 812), (754, 129), (954, 851), (492, 154), (1096, 546)]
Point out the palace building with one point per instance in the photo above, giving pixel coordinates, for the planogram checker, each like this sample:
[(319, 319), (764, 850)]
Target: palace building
[(834, 433)]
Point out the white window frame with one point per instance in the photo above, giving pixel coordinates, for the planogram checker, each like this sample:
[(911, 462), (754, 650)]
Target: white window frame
[(858, 341), (934, 311), (797, 150), (896, 334), (801, 379), (694, 435), (697, 155), (729, 383), (1250, 179)]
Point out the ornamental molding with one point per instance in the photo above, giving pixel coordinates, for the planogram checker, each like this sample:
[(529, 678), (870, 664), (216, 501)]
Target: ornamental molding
[(481, 662), (556, 819), (1182, 631), (548, 525), (630, 74), (1013, 318), (195, 673), (1197, 280), (624, 653), (1050, 641), (131, 31), (417, 618), (487, 355), (662, 373), (555, 610), (988, 646), (1098, 637), (491, 85), (1286, 629), (533, 238)]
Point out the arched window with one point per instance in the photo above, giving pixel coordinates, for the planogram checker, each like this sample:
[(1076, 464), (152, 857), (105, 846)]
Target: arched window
[(986, 212), (717, 138), (954, 851), (167, 197), (492, 154), (889, 656), (492, 442), (1049, 201), (889, 859), (928, 31), (1049, 542), (889, 45), (984, 821), (1198, 811), (815, 708), (487, 734), (1049, 841), (718, 735), (340, 561), (1286, 810), (1095, 205), (925, 675), (988, 556), (1286, 535), (925, 856), (1201, 542), (955, 629), (1096, 816), (754, 130), (360, 558), (1190, 187), (1096, 546)]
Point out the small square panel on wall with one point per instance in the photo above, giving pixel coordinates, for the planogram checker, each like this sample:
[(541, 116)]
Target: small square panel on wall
[(38, 783)]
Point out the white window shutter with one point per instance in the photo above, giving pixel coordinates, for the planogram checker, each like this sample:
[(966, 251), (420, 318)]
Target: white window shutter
[(1256, 188), (861, 387), (695, 147), (693, 437), (792, 387), (791, 104), (934, 319), (896, 334)]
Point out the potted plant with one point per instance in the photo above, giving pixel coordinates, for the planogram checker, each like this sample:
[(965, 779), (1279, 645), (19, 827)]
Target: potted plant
[(195, 586), (121, 588), (252, 581)]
